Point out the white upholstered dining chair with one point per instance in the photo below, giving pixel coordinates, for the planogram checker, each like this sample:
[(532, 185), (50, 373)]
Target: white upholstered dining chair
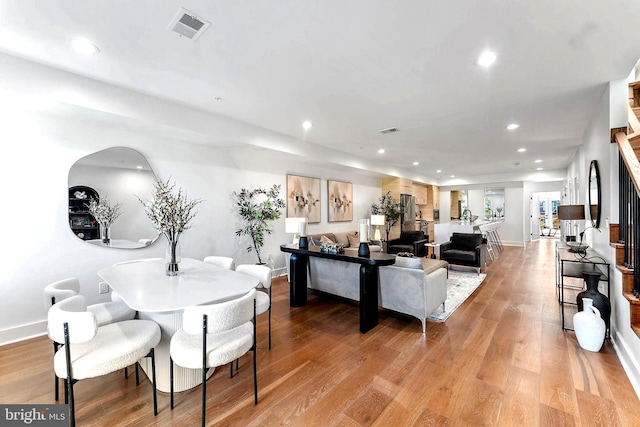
[(90, 351), (105, 313), (222, 261), (213, 335), (263, 298)]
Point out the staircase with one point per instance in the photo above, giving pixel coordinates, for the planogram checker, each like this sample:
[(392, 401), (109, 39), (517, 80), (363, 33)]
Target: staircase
[(625, 236)]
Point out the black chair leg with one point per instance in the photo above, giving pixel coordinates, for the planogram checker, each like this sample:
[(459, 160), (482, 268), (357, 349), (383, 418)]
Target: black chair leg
[(269, 323), (72, 409), (56, 382), (126, 373), (231, 369), (137, 376), (255, 377), (171, 380), (204, 395), (66, 392), (153, 381)]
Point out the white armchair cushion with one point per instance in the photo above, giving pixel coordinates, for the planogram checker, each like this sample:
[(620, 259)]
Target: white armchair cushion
[(262, 302), (72, 311), (60, 290), (114, 347), (222, 347)]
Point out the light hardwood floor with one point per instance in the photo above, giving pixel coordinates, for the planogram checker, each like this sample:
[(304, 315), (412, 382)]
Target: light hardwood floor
[(500, 359)]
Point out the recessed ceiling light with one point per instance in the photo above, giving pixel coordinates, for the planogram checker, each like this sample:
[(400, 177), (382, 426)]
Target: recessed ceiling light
[(538, 169), (513, 126), (138, 167), (439, 171), (452, 176), (381, 151), (84, 46), (521, 150), (307, 125), (537, 161), (416, 163), (486, 59)]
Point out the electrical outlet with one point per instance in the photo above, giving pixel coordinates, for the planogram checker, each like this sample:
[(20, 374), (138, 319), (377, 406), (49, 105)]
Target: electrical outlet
[(103, 288)]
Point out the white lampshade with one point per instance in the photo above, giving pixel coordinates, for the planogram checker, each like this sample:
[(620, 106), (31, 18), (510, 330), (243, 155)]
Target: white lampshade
[(377, 219), (291, 225)]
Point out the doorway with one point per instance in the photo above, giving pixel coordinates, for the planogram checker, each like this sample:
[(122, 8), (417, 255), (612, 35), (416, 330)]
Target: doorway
[(544, 215)]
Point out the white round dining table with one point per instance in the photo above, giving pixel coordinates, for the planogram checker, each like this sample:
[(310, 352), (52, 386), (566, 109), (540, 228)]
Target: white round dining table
[(145, 287)]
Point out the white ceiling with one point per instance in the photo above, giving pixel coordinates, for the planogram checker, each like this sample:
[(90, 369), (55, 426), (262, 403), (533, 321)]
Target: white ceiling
[(355, 67)]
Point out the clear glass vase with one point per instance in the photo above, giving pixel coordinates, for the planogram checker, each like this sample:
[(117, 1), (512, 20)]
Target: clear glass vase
[(172, 258), (105, 234)]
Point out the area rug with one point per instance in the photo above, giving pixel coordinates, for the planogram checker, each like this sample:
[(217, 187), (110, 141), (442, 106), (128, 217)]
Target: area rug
[(460, 285)]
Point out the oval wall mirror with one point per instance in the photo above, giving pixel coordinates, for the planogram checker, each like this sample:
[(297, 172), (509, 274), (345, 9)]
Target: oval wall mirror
[(119, 175), (595, 194)]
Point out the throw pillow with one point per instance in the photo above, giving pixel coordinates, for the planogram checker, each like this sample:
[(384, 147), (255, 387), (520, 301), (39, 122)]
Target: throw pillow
[(325, 239), (353, 240), (407, 262)]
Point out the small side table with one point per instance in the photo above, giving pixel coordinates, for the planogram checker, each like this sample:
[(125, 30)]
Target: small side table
[(433, 246)]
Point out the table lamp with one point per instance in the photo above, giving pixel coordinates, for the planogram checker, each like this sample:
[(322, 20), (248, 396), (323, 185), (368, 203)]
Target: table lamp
[(571, 213), (303, 242), (291, 227), (363, 231), (377, 221)]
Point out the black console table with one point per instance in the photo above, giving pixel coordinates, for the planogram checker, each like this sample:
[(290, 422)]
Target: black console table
[(368, 278), (570, 264)]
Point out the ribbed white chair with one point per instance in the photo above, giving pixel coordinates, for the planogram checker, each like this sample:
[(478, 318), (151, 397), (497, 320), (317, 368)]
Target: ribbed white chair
[(105, 313), (91, 351), (222, 261), (214, 335), (263, 298)]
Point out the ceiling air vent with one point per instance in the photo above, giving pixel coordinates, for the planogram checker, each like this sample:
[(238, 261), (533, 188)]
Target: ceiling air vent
[(388, 130), (188, 24)]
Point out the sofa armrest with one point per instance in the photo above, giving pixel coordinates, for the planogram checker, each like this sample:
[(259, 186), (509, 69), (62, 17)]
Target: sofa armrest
[(445, 246), (419, 247)]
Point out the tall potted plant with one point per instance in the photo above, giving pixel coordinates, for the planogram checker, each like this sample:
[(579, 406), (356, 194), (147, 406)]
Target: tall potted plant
[(391, 210), (258, 208)]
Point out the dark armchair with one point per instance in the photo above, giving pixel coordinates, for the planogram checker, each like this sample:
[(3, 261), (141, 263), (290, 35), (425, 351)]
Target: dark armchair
[(409, 241), (469, 249)]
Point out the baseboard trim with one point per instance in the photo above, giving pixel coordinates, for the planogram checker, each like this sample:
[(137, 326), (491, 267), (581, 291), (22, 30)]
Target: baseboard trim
[(629, 364), (23, 332)]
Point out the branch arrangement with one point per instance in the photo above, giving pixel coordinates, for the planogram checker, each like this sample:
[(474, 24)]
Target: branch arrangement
[(169, 211), (103, 212)]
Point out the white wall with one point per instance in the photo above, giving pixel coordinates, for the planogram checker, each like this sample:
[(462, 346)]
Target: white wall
[(39, 248), (597, 146)]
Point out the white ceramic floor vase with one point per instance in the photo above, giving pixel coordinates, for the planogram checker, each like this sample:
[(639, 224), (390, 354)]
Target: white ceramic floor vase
[(589, 327)]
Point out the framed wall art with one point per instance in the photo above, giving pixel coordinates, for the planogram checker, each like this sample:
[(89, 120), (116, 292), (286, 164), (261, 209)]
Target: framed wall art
[(340, 195), (303, 198)]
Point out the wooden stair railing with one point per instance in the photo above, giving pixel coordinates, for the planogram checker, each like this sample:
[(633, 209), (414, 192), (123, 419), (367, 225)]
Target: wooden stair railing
[(628, 142)]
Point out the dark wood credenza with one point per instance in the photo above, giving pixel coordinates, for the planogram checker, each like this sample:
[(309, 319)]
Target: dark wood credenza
[(368, 278)]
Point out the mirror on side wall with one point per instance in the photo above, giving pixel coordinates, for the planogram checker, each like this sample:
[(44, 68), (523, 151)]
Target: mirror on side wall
[(595, 195), (119, 175), (493, 204)]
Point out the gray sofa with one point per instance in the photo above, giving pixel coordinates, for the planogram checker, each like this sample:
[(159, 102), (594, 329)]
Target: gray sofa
[(416, 288)]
